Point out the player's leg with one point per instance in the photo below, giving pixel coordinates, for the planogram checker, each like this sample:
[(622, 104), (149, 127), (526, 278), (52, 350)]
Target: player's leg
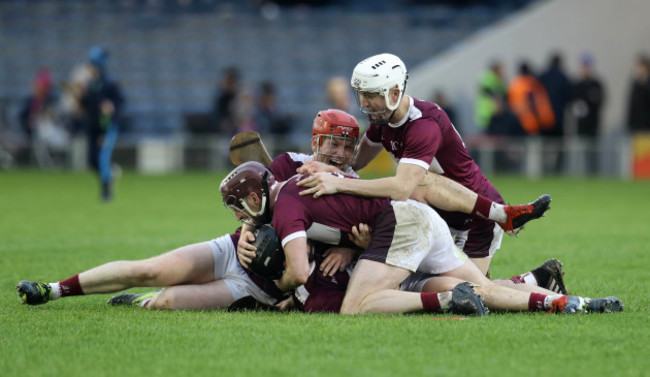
[(370, 277), (212, 295), (446, 194), (500, 298), (188, 264), (221, 282), (482, 241)]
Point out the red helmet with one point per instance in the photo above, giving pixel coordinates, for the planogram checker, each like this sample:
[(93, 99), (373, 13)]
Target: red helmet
[(341, 129), (247, 178)]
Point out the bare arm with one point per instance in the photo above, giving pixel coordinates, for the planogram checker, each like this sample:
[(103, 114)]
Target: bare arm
[(297, 265), (398, 187), (365, 154)]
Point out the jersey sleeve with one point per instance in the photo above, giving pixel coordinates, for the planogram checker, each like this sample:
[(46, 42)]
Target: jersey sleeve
[(291, 219), (282, 167), (422, 142)]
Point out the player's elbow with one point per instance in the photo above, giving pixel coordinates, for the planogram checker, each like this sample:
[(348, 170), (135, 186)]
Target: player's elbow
[(297, 278), (300, 278)]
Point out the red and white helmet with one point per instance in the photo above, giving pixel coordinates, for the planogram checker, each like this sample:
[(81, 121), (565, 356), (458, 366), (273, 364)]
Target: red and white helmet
[(341, 130), (249, 177)]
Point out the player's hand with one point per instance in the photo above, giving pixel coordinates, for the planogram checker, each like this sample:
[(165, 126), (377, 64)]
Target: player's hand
[(313, 167), (319, 184), (336, 259), (245, 250), (360, 235), (286, 304)]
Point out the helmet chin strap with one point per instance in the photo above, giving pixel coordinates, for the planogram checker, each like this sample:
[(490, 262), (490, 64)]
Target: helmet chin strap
[(383, 122), (266, 217)]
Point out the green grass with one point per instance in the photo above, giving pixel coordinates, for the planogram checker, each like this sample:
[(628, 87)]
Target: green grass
[(53, 226)]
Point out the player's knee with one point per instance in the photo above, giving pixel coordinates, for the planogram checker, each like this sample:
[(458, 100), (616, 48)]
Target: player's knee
[(144, 271), (164, 300), (350, 306)]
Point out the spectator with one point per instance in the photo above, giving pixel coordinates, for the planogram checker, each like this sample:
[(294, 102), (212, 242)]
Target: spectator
[(638, 118), (225, 102), (558, 87), (440, 99), (338, 93), (587, 99), (39, 119), (492, 112), (529, 101), (102, 103), (269, 116)]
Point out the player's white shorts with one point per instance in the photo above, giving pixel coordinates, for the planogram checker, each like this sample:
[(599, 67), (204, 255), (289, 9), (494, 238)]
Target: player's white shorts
[(228, 269), (461, 237), (420, 240)]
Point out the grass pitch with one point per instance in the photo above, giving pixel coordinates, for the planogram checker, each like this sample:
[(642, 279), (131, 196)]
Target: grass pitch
[(53, 226)]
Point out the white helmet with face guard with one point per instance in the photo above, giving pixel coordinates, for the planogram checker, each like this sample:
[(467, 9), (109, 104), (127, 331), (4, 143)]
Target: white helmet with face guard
[(379, 74)]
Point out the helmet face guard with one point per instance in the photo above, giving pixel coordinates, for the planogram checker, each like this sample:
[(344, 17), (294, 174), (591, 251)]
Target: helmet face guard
[(328, 147), (335, 136), (379, 75)]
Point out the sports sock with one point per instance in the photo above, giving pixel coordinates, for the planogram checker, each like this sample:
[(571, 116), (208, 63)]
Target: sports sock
[(537, 302), (69, 287), (527, 278), (498, 213), (482, 207), (487, 209), (548, 300), (430, 302), (541, 275), (434, 302), (145, 303)]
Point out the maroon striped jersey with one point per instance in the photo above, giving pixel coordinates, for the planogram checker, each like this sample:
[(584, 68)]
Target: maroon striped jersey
[(426, 137)]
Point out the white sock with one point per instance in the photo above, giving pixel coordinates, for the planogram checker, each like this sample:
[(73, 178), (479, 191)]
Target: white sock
[(529, 278), (144, 303), (498, 213), (548, 301), (445, 300), (56, 291)]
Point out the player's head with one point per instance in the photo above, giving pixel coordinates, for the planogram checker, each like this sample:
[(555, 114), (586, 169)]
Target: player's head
[(335, 135), (379, 83), (98, 56), (245, 192)]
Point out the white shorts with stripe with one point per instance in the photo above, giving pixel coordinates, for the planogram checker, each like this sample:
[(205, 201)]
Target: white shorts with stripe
[(228, 269), (421, 240)]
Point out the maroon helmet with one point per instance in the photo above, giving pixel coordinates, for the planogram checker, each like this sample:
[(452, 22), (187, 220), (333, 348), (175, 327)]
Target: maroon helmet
[(249, 177)]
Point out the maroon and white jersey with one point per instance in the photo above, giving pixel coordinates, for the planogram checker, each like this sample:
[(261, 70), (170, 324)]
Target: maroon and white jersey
[(426, 137), (284, 165), (327, 219)]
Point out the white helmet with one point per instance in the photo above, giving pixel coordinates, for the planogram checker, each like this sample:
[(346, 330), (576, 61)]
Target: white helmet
[(380, 74)]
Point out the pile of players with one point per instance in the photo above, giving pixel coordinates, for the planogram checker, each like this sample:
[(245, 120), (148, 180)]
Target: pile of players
[(421, 240)]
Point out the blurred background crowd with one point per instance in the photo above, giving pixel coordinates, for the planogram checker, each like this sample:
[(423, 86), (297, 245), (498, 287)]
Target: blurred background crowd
[(178, 78)]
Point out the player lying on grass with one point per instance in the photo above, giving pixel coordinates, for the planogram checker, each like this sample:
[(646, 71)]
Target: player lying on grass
[(420, 137), (324, 293), (406, 236), (204, 275)]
